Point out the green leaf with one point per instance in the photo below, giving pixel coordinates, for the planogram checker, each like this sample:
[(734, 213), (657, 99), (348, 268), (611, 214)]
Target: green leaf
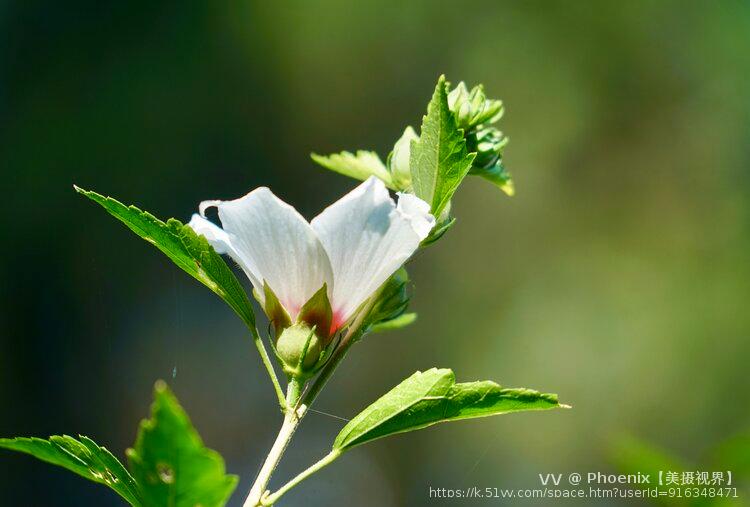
[(170, 462), (188, 250), (83, 457), (402, 320), (360, 166), (431, 397), (439, 159)]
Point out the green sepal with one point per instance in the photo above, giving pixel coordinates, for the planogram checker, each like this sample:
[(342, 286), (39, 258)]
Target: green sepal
[(190, 251), (170, 462), (437, 232), (275, 311), (392, 300), (359, 166), (83, 457), (402, 320), (432, 397), (317, 313), (497, 175), (439, 160)]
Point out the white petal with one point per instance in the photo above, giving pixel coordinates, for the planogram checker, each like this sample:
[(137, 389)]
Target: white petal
[(367, 238), (278, 245), (417, 212), (215, 235), (222, 243)]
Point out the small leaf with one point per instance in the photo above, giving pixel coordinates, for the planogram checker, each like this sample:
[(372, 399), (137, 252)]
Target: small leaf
[(431, 397), (439, 159), (83, 457), (170, 462), (402, 320), (360, 166), (188, 250)]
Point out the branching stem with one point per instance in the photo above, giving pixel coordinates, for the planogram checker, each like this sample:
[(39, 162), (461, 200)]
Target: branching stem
[(288, 427), (270, 499)]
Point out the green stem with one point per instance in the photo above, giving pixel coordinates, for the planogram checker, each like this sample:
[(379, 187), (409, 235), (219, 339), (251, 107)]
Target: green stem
[(269, 366), (327, 460), (296, 408), (288, 427)]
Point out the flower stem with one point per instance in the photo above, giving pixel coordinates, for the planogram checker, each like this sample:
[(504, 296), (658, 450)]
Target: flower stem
[(327, 460), (295, 409), (291, 421), (269, 367)]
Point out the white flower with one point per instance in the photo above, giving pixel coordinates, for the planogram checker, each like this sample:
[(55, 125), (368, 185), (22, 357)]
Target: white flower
[(353, 246)]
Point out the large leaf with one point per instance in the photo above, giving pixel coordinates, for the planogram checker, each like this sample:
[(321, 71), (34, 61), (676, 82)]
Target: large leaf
[(188, 250), (170, 462), (83, 457), (439, 160), (359, 166), (431, 397)]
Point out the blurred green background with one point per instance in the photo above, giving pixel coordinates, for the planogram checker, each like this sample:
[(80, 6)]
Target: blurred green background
[(617, 277)]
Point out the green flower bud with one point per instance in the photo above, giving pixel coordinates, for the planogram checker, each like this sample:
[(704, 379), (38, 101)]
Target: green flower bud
[(299, 349), (399, 159), (473, 108), (488, 143)]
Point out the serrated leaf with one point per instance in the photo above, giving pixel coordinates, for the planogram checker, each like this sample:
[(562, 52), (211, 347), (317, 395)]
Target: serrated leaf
[(170, 462), (359, 166), (439, 160), (83, 457), (432, 397), (190, 251)]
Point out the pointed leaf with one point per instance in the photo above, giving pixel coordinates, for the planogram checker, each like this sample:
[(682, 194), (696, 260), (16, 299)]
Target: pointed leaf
[(360, 166), (187, 249), (170, 462), (83, 457), (431, 397), (439, 159)]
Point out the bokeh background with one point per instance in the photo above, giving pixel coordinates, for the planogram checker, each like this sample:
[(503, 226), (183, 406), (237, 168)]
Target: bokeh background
[(618, 276)]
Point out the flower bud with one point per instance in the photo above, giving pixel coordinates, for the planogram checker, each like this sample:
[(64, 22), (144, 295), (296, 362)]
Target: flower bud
[(488, 143), (473, 108), (299, 349), (399, 160)]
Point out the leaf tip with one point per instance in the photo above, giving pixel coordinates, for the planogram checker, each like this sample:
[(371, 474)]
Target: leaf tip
[(565, 406)]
